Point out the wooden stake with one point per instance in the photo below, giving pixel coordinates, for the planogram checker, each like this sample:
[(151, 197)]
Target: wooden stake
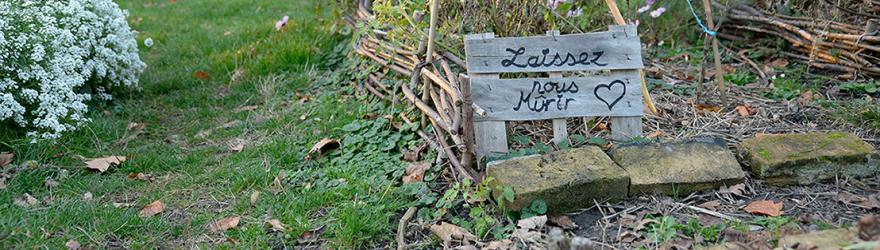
[(618, 19), (719, 72)]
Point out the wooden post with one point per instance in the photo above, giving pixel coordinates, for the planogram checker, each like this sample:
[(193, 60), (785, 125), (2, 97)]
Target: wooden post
[(624, 128), (560, 126), (467, 123)]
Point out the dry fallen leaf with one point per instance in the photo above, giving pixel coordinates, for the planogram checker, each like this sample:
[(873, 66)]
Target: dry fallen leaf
[(303, 98), (711, 205), (869, 227), (50, 183), (655, 134), (6, 158), (765, 207), (738, 190), (238, 74), (708, 107), (504, 244), (778, 63), (644, 223), (449, 232), (26, 201), (254, 196), (201, 75), (153, 208), (225, 224), (120, 204), (245, 108), (135, 126), (277, 184), (805, 98), (72, 245), (102, 164), (563, 222), (276, 225), (237, 145), (535, 222), (310, 236), (140, 176), (746, 110), (322, 147), (869, 202), (600, 127), (415, 172)]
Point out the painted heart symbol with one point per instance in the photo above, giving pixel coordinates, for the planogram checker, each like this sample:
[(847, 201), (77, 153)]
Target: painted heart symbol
[(608, 91)]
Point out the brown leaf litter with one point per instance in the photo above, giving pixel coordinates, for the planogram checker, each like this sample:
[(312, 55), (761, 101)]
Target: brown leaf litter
[(104, 163)]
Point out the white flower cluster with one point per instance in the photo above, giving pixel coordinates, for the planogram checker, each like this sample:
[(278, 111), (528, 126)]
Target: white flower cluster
[(56, 55)]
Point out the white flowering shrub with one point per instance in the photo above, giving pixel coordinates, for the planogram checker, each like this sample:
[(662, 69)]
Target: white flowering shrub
[(56, 56)]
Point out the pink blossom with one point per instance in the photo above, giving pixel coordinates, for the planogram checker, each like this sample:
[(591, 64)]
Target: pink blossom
[(281, 23), (555, 3), (644, 8), (575, 12), (659, 11)]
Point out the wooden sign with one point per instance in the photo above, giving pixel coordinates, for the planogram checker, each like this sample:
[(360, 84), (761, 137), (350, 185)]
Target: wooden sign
[(616, 49), (612, 89), (615, 94)]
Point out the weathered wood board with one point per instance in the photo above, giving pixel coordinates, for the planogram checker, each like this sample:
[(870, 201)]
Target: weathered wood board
[(618, 48), (614, 94)]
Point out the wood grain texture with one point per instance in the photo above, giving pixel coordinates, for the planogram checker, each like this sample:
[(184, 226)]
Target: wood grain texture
[(613, 94), (625, 128), (490, 137), (560, 126), (618, 48)]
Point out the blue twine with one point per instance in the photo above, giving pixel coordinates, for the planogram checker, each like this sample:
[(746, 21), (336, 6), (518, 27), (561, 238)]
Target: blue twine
[(700, 22)]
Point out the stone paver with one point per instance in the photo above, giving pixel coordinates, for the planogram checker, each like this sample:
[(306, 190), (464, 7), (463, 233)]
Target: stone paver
[(566, 180), (678, 168), (807, 158), (821, 240)]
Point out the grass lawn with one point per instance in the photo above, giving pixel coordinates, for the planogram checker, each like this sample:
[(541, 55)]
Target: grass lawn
[(219, 75)]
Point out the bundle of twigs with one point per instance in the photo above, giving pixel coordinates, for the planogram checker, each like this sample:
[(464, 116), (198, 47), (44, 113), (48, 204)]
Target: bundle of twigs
[(435, 89), (822, 44)]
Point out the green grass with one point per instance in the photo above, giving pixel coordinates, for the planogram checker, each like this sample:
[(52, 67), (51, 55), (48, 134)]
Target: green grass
[(352, 196)]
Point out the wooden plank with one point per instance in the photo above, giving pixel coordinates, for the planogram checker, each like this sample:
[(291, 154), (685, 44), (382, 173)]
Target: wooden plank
[(618, 48), (613, 94), (625, 128), (490, 137), (560, 126)]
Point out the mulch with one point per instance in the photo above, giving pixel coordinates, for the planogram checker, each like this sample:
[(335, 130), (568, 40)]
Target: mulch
[(815, 207)]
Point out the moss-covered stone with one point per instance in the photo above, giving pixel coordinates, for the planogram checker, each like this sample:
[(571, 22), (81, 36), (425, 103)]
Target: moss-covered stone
[(807, 158), (820, 240), (678, 167), (566, 180)]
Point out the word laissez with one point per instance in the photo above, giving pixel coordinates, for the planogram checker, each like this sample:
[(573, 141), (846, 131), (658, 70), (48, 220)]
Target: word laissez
[(547, 60), (546, 96)]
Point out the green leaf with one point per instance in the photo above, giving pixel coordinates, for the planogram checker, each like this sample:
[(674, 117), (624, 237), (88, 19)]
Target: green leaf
[(578, 139), (351, 127), (564, 144), (508, 194), (539, 207), (521, 139), (598, 141)]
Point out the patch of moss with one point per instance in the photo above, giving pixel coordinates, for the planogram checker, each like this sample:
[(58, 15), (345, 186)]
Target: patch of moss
[(764, 153)]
